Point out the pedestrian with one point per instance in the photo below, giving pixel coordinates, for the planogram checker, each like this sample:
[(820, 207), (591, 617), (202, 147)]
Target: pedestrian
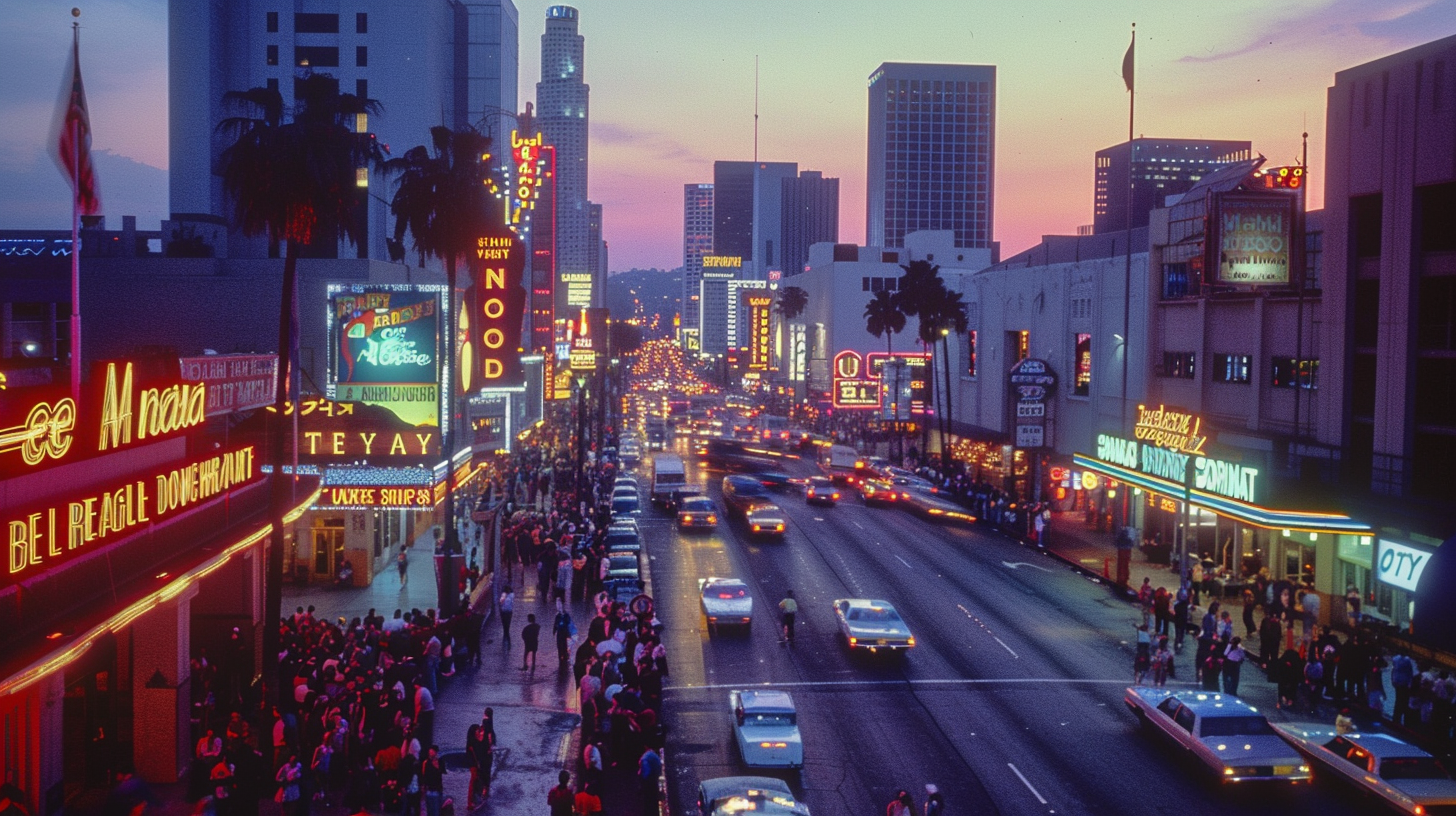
[(1212, 669), (649, 770), (901, 804), (560, 799), (1402, 672), (1180, 618), (587, 802), (1352, 606), (479, 749), (1233, 664), (1142, 657), (934, 801), (563, 629), (432, 779), (289, 779), (1249, 626), (788, 610), (1270, 633), (1310, 601), (530, 635), (1162, 663), (402, 564), (1207, 633), (1288, 673), (507, 609), (409, 785), (1162, 609), (591, 762)]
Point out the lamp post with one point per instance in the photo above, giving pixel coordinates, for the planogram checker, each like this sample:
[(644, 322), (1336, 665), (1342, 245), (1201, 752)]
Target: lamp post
[(580, 434)]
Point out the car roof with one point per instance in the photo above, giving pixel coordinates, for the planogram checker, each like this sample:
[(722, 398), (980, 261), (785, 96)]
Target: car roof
[(724, 582), (698, 500), (767, 700), (820, 480), (714, 789), (1208, 704), (863, 603), (766, 508)]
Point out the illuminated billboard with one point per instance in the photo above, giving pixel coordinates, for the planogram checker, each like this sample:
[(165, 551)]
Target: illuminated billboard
[(235, 382), (760, 335), (347, 433), (526, 189), (498, 303), (384, 347), (853, 388), (1252, 239)]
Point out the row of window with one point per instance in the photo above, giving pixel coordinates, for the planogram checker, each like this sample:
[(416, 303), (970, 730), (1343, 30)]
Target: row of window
[(320, 56), (1284, 372), (317, 23), (869, 284)]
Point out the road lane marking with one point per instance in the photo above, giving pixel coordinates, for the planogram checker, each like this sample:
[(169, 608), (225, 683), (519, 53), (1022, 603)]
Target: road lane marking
[(1020, 564), (1027, 783), (1007, 648), (988, 631), (949, 681), (903, 561), (857, 524), (818, 518)]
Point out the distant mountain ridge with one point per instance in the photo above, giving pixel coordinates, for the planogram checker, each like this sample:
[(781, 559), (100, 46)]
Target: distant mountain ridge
[(646, 294)]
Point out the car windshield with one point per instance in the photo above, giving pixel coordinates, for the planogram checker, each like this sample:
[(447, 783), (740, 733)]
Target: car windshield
[(770, 720), (1236, 726), (873, 614), (698, 505), (1412, 768), (725, 593), (624, 562)]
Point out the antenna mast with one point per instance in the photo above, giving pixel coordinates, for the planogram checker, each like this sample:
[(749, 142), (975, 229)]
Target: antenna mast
[(755, 109)]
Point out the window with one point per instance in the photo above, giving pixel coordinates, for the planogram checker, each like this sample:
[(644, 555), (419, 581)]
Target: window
[(1018, 346), (1284, 373), (272, 55), (1366, 224), (1436, 307), (272, 19), (273, 83), (1314, 251), (1435, 391), (361, 23), (361, 56), (1184, 719), (1175, 281), (1365, 312), (316, 23), (316, 56), (1082, 365), (971, 353), (1178, 364), (1231, 368), (1436, 211), (361, 88)]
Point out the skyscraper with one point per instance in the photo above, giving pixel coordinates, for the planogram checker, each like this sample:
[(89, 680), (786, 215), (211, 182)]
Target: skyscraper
[(697, 242), (491, 84), (810, 216), (417, 59), (932, 152), (1160, 168), (733, 209), (768, 220), (596, 259), (562, 101)]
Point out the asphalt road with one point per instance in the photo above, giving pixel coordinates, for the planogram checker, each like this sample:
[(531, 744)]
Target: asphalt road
[(1010, 703)]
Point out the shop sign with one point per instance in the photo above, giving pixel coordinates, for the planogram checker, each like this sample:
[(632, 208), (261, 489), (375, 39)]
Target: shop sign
[(338, 433), (852, 389), (1031, 381), (526, 152), (384, 348), (357, 496), (48, 536), (1400, 565), (1252, 239), (915, 368), (235, 382), (1170, 428), (1030, 436), (759, 330), (1223, 478)]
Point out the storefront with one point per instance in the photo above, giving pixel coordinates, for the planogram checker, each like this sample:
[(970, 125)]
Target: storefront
[(1210, 511), (1397, 569)]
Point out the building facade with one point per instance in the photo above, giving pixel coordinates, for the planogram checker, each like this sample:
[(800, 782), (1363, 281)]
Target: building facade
[(697, 242), (810, 216), (563, 115), (733, 209), (768, 218), (1160, 168), (932, 153)]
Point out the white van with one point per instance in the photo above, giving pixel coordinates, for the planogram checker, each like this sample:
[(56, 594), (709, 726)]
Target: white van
[(668, 476), (838, 462)]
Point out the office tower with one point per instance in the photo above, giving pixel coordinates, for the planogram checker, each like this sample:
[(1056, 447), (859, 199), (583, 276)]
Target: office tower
[(932, 152), (491, 84), (697, 242), (562, 101), (1160, 168), (733, 209), (768, 197), (810, 216), (415, 58), (596, 260)]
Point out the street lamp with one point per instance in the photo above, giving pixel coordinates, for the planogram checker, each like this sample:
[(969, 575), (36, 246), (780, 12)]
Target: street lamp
[(580, 433)]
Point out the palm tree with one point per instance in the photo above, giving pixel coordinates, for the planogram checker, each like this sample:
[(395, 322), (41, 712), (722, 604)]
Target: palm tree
[(954, 318), (883, 316), (293, 176), (791, 302), (920, 287), (445, 202)]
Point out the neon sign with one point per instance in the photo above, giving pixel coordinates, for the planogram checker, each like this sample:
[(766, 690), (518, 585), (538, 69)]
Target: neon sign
[(760, 324), (370, 497), (526, 151), (500, 303), (722, 261), (1228, 479), (1169, 428)]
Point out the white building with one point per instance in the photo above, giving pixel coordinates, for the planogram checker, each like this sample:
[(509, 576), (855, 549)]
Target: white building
[(562, 103), (429, 63), (697, 242)]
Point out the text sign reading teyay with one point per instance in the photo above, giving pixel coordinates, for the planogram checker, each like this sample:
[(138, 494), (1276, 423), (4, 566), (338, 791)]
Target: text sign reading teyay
[(1399, 565)]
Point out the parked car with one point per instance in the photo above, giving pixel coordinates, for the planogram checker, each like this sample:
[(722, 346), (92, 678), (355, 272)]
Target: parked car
[(697, 513), (765, 725), (624, 567), (819, 490), (759, 795), (1394, 772), (872, 626), (1226, 735), (726, 602), (626, 505), (766, 521), (623, 539)]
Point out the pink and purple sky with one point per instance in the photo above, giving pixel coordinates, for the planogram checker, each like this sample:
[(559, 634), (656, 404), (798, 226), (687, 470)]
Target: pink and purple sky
[(672, 91)]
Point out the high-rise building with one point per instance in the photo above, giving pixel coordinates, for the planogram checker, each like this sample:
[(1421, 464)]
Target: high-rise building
[(1160, 168), (596, 254), (697, 242), (810, 215), (932, 152), (733, 209), (768, 219), (562, 102), (417, 59), (492, 27)]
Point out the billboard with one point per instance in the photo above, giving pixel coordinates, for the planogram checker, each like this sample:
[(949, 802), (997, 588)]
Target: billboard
[(760, 338), (235, 382), (384, 347), (498, 304), (1253, 240), (350, 433)]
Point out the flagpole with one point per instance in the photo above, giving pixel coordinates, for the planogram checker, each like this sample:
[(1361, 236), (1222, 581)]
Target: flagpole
[(1128, 75), (75, 322)]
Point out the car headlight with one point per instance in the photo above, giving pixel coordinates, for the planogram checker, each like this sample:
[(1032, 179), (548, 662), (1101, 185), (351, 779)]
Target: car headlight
[(712, 519), (756, 528)]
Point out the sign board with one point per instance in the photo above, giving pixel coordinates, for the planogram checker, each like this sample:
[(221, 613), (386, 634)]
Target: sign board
[(345, 433), (526, 154), (376, 496), (1170, 428), (384, 347), (235, 382), (760, 339), (1030, 436), (1400, 565), (498, 305), (1031, 382), (1229, 479), (1252, 239)]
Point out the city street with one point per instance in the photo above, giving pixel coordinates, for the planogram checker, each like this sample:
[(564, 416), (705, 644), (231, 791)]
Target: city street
[(1011, 701)]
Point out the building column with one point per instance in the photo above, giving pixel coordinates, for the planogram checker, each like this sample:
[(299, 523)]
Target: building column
[(160, 673)]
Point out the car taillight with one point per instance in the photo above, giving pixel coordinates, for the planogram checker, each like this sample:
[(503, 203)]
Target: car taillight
[(910, 642), (779, 528), (756, 528), (687, 519), (854, 641), (835, 496), (773, 745), (712, 519)]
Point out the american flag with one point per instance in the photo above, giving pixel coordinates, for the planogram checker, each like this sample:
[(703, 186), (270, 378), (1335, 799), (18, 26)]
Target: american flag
[(73, 143)]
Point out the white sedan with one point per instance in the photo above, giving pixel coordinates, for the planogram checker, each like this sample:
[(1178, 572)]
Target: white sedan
[(1397, 773), (726, 602), (872, 626), (765, 724)]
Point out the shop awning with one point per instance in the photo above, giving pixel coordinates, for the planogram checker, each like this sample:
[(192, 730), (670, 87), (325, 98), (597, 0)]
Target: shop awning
[(1306, 521)]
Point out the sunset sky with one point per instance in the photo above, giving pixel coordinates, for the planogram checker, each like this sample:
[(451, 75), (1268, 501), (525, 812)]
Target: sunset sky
[(672, 91)]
